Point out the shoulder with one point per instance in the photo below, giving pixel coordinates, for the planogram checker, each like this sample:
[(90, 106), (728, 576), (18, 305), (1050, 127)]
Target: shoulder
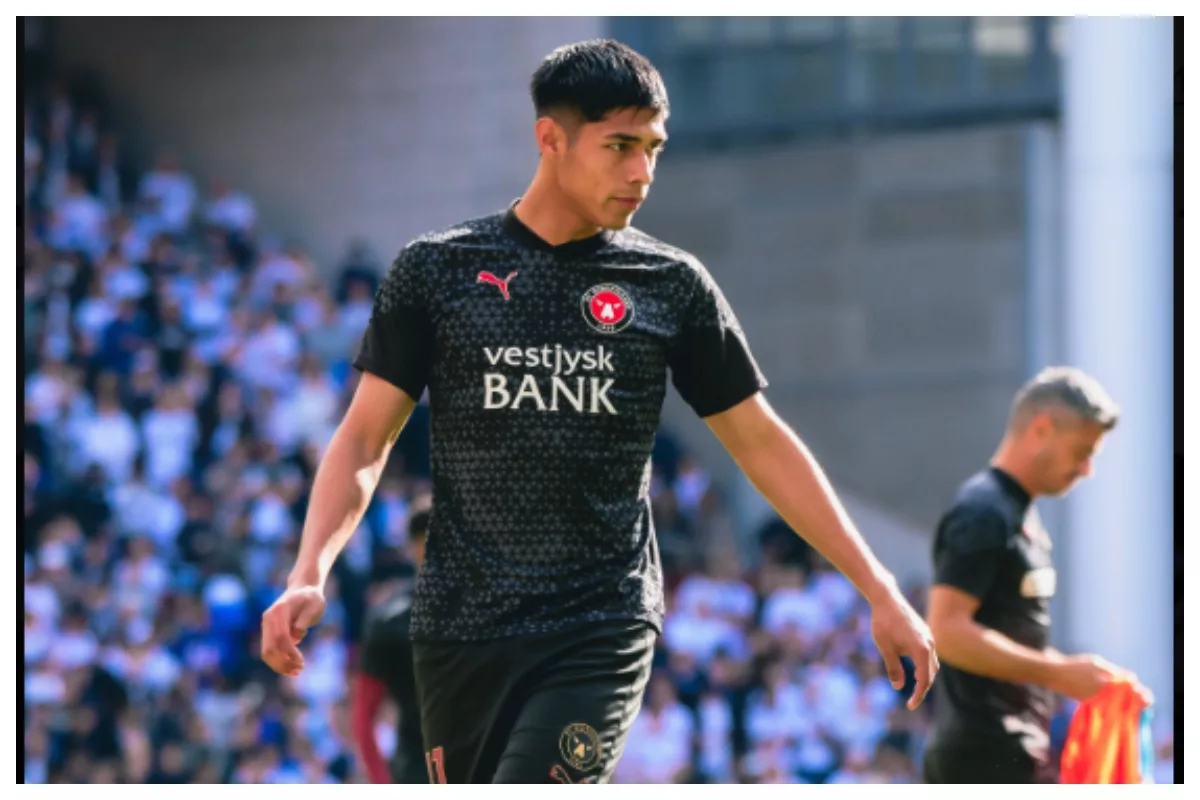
[(445, 242), (421, 260), (657, 253), (689, 276), (978, 519), (983, 490)]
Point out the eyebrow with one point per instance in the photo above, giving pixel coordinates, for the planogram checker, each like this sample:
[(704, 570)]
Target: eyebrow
[(629, 138)]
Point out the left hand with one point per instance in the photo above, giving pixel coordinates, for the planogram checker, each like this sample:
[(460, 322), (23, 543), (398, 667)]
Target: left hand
[(284, 625), (899, 631)]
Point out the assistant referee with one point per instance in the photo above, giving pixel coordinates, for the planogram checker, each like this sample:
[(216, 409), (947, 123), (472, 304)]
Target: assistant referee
[(989, 607)]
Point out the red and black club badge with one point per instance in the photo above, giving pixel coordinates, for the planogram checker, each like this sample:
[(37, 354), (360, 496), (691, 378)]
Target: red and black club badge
[(607, 308)]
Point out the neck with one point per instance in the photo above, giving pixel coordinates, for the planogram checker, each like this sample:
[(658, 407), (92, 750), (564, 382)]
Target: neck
[(1008, 460), (547, 212)]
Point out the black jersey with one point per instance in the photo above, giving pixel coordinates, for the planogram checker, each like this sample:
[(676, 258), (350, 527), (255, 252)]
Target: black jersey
[(387, 657), (546, 368), (992, 545)]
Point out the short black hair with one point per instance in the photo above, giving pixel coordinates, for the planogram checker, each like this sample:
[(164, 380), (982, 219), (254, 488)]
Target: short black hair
[(596, 77)]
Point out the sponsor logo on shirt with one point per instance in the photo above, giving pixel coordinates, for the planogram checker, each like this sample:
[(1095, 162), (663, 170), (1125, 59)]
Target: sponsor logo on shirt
[(560, 386), (1039, 583)]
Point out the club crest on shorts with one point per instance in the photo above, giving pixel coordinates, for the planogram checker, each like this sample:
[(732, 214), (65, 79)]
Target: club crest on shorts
[(580, 746), (607, 308)]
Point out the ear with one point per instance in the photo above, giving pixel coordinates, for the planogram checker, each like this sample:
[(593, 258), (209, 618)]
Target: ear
[(551, 137), (1042, 425)]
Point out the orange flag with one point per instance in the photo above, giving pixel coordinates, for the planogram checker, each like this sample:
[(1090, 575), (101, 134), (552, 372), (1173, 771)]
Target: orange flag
[(1105, 741)]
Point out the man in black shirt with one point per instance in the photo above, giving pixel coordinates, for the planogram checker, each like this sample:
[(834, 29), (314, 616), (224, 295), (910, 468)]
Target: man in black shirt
[(989, 607), (386, 668), (545, 335)]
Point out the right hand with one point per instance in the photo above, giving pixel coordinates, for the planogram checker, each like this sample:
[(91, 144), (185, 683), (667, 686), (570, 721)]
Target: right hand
[(284, 625), (1082, 676)]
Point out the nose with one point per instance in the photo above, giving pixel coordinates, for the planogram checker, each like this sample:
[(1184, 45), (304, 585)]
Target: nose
[(642, 169)]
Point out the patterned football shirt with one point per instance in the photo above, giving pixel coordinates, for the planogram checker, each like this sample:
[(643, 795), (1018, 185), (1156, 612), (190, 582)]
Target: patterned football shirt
[(546, 368)]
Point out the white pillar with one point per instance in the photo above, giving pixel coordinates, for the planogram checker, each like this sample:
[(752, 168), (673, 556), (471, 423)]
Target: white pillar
[(1044, 307), (1117, 155)]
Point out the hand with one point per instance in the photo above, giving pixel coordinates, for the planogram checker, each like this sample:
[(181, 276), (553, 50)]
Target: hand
[(1082, 676), (899, 631), (284, 625)]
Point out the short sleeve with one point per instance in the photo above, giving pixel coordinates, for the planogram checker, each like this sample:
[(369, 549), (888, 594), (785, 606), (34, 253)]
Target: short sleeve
[(398, 343), (710, 360), (970, 546)]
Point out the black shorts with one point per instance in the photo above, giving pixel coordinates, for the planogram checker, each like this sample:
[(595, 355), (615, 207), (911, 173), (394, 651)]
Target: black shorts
[(532, 709), (985, 764), (408, 770)]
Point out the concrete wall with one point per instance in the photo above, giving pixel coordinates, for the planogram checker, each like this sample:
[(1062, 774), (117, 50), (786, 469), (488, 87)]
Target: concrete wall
[(384, 128), (882, 285)]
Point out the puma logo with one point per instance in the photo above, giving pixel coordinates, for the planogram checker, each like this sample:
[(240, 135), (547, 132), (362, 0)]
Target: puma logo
[(502, 285)]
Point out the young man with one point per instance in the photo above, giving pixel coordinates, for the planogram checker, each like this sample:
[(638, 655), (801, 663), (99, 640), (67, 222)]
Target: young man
[(545, 335), (386, 670), (989, 607)]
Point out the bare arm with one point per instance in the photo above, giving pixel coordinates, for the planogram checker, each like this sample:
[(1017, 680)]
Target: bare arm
[(348, 476), (980, 650), (974, 648), (395, 357), (781, 467)]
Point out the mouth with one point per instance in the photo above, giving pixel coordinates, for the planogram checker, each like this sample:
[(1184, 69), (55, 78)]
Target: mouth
[(631, 203)]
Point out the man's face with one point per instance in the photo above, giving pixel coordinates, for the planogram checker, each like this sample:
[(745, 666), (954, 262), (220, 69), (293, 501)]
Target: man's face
[(606, 167), (1067, 446)]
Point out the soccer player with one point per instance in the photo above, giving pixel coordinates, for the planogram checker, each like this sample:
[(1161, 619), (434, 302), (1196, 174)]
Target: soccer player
[(989, 607), (386, 669), (545, 335)]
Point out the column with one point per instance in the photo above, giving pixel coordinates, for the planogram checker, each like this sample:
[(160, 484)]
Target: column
[(1117, 303)]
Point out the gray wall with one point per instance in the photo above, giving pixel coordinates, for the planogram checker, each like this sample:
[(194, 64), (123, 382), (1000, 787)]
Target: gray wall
[(882, 285), (384, 128)]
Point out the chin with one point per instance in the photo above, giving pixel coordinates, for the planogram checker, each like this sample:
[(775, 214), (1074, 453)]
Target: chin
[(618, 223), (1059, 492)]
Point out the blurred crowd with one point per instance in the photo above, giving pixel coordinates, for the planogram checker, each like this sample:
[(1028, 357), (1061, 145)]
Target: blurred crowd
[(183, 373)]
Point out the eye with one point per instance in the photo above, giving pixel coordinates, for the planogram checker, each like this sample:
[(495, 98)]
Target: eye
[(618, 147)]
